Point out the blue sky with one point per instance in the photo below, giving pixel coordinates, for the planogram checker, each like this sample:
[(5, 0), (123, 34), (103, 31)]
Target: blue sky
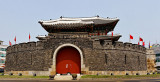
[(137, 17)]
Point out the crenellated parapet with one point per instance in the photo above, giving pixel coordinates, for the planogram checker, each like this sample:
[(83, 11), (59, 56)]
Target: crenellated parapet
[(107, 44), (97, 44), (118, 45), (29, 46)]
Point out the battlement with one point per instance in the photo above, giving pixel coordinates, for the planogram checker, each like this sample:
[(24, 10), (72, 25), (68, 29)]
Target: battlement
[(108, 44), (97, 44), (29, 46)]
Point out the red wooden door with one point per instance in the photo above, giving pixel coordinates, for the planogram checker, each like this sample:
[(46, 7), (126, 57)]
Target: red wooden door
[(68, 61)]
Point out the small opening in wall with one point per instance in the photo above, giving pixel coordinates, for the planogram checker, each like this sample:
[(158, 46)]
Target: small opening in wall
[(138, 60), (51, 56), (127, 73), (112, 73), (102, 42), (137, 74), (31, 59), (107, 43), (106, 58), (16, 61), (125, 59)]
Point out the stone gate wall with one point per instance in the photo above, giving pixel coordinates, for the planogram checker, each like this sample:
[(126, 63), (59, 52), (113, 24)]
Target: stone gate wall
[(117, 56), (98, 55)]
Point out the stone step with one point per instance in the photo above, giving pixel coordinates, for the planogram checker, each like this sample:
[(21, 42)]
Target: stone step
[(65, 77)]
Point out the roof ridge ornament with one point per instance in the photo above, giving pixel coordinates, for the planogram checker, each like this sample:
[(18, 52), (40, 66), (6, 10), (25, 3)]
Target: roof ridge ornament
[(97, 16), (61, 17)]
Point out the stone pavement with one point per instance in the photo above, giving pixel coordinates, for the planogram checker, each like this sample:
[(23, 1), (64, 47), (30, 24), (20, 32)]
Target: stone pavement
[(66, 77)]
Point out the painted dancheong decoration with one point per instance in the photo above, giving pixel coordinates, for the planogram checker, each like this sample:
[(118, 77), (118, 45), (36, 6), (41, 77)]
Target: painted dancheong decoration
[(95, 26)]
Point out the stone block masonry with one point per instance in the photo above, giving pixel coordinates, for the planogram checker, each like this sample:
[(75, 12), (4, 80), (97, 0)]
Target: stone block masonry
[(99, 56)]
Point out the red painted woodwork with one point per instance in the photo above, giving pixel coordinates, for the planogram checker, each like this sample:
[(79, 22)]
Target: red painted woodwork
[(68, 61)]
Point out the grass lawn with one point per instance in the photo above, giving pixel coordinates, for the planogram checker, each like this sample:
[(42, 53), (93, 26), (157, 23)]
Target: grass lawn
[(23, 76), (120, 76), (88, 76)]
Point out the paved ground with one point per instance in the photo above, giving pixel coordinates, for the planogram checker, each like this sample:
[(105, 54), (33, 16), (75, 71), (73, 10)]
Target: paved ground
[(146, 80)]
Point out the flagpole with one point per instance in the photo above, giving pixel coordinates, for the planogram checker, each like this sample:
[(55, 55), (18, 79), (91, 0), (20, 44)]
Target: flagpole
[(129, 39), (29, 37), (139, 40), (112, 35), (15, 39), (149, 44), (9, 42)]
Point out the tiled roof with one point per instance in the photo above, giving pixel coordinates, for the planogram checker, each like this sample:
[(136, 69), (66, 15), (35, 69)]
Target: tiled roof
[(78, 21)]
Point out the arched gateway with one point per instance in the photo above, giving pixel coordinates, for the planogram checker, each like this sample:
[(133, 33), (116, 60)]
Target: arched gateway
[(68, 59)]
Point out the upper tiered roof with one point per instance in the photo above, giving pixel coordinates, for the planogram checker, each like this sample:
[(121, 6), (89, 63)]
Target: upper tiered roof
[(88, 24)]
